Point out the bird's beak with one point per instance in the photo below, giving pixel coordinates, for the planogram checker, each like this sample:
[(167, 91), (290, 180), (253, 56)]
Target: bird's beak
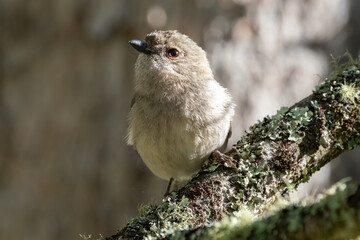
[(140, 46)]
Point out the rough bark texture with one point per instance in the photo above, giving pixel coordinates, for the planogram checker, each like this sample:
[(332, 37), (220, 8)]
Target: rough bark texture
[(275, 156), (335, 215)]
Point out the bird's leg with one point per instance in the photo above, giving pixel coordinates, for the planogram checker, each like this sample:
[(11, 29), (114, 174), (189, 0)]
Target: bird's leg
[(224, 159), (168, 189)]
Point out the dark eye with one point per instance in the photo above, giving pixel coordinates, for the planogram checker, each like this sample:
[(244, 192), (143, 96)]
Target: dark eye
[(172, 52)]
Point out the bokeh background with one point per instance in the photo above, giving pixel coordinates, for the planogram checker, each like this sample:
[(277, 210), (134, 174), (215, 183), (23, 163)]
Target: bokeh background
[(66, 82)]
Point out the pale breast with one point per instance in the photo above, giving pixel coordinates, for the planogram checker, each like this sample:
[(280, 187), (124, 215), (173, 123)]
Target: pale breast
[(173, 147)]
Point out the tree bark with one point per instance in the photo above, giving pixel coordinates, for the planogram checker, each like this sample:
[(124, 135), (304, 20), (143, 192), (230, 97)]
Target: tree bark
[(274, 157), (336, 215)]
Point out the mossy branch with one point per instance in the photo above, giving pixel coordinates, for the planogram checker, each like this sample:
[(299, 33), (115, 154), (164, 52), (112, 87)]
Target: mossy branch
[(274, 157), (333, 215)]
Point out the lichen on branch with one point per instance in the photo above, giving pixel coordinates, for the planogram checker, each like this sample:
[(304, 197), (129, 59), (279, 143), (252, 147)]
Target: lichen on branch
[(335, 214)]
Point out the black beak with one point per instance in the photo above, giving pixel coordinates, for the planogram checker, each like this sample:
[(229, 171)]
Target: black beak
[(140, 46)]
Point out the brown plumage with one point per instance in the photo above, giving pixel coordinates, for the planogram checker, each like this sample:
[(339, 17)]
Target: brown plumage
[(179, 113)]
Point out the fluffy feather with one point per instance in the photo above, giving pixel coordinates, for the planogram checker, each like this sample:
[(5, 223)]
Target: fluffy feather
[(180, 113)]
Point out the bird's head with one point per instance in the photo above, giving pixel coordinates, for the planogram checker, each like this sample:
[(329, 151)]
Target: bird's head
[(168, 58)]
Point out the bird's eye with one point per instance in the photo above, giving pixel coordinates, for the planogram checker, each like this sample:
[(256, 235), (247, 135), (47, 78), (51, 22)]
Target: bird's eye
[(172, 52)]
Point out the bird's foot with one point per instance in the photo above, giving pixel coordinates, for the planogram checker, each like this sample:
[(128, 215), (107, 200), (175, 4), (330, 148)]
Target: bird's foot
[(224, 159)]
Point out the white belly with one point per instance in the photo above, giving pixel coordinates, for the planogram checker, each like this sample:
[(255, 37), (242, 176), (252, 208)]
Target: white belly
[(175, 149)]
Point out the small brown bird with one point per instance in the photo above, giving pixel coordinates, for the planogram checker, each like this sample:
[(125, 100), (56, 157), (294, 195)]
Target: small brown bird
[(180, 114)]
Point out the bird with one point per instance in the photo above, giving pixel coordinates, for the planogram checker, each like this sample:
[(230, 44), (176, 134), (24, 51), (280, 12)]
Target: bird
[(179, 114)]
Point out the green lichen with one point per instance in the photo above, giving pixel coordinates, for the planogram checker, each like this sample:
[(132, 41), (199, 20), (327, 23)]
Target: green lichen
[(88, 237), (348, 93), (272, 129), (340, 94), (210, 165), (289, 124), (226, 228), (289, 220), (285, 123), (353, 142), (336, 86), (84, 236), (172, 214), (301, 117)]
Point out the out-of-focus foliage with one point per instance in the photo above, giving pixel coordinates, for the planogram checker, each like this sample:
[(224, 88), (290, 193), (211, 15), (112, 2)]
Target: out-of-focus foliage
[(66, 83)]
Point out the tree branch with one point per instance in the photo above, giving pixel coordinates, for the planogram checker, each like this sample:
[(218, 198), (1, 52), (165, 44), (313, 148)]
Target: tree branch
[(275, 156), (335, 215)]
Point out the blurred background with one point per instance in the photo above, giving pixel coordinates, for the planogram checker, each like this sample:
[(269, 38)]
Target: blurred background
[(66, 82)]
